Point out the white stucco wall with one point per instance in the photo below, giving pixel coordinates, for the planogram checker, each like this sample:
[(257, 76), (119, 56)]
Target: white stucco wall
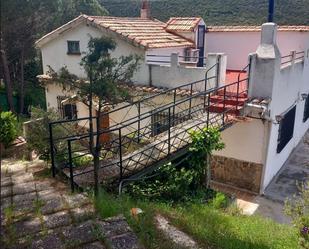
[(291, 82), (245, 141), (153, 55), (283, 86), (237, 45), (52, 91), (54, 53), (176, 75)]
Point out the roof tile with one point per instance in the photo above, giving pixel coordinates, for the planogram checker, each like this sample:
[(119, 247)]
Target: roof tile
[(146, 32), (182, 23), (254, 28)]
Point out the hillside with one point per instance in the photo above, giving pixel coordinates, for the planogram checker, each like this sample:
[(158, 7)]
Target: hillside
[(217, 12)]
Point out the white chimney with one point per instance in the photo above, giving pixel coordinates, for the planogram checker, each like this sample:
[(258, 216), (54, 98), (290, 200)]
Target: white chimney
[(145, 10)]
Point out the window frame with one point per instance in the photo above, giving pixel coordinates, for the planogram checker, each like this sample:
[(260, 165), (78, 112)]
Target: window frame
[(72, 109), (69, 49), (306, 110), (62, 109), (286, 129)]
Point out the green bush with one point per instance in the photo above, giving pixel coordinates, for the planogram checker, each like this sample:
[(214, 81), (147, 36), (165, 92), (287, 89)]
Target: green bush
[(81, 160), (298, 210), (8, 128), (204, 142), (38, 133), (219, 201), (183, 181)]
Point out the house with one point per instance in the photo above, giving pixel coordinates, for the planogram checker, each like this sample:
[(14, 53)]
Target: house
[(149, 38), (238, 41), (272, 91)]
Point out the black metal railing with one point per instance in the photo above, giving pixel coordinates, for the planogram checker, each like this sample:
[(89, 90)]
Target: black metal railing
[(150, 136)]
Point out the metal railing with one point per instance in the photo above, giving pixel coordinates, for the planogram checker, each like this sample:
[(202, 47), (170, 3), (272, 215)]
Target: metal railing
[(293, 56), (153, 59), (149, 138)]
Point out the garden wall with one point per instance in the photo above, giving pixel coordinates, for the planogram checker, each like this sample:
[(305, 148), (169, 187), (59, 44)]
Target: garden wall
[(237, 173)]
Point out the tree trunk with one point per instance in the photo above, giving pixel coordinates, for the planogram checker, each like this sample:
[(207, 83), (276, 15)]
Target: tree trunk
[(22, 83), (7, 80), (92, 146), (97, 151), (208, 174), (96, 164)]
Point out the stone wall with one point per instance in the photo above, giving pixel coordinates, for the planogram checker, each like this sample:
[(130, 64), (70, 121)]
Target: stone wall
[(237, 173)]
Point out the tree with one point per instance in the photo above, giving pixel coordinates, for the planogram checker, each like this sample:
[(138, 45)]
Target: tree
[(105, 76), (8, 129), (22, 22)]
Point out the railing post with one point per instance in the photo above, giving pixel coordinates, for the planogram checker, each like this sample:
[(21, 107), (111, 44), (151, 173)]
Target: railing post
[(52, 155), (218, 71), (169, 130), (70, 165), (249, 74), (190, 103), (237, 95), (223, 116), (120, 156), (208, 107), (139, 122), (205, 89), (174, 107)]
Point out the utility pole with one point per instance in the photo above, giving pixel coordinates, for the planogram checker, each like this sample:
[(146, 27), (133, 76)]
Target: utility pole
[(271, 8)]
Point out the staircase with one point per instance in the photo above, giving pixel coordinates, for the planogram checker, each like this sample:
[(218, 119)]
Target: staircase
[(229, 103)]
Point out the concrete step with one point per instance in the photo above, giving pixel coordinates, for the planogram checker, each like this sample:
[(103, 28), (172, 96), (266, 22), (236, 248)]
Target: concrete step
[(229, 109), (228, 100), (233, 93)]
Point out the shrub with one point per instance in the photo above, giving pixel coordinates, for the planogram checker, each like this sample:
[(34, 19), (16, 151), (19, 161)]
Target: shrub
[(81, 160), (298, 210), (183, 181), (8, 128), (204, 142), (38, 132), (219, 201)]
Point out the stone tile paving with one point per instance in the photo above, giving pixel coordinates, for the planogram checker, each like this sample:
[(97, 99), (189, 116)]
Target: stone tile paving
[(41, 213)]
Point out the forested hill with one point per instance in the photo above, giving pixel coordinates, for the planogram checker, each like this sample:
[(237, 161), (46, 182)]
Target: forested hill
[(217, 12)]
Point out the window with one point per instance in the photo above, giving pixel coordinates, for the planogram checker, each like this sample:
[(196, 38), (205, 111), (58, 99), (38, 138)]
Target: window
[(306, 111), (73, 47), (160, 121), (67, 111), (286, 129), (187, 54)]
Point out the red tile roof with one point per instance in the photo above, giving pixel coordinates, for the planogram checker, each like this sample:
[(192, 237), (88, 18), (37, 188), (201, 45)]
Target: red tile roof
[(182, 23), (254, 28), (146, 33)]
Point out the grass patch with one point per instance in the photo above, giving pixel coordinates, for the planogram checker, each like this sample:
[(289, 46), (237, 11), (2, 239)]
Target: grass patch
[(208, 225)]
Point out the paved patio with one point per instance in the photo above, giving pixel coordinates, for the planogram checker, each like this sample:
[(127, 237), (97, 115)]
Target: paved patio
[(39, 212)]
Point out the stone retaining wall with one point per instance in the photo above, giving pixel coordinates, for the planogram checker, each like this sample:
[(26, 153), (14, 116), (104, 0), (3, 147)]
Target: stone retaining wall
[(237, 173)]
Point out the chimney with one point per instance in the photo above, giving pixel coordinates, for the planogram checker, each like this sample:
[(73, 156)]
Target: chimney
[(145, 9)]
